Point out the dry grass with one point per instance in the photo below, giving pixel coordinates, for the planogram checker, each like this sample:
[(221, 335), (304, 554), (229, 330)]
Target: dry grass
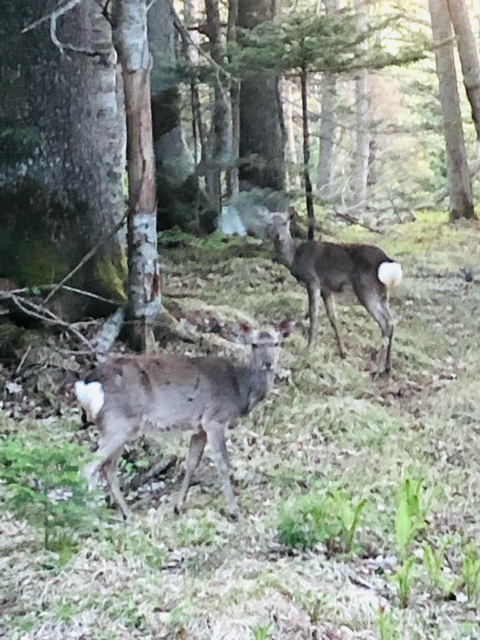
[(199, 576)]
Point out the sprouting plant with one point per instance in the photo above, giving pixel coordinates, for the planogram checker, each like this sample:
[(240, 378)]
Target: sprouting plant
[(263, 632), (412, 509), (40, 482), (471, 571), (387, 625), (330, 518), (434, 562), (404, 579)]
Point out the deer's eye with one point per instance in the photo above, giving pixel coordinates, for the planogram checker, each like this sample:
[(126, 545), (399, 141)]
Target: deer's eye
[(254, 345)]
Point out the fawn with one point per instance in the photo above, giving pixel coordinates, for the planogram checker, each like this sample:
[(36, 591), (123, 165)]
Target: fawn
[(153, 394), (326, 268)]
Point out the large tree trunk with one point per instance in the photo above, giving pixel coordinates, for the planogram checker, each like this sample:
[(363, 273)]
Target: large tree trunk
[(467, 49), (131, 43), (459, 183), (262, 133), (64, 188)]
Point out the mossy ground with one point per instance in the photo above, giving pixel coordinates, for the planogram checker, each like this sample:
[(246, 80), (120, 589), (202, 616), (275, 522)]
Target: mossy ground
[(200, 576)]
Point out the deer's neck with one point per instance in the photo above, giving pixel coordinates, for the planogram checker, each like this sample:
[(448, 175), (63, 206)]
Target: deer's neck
[(285, 250), (254, 385)]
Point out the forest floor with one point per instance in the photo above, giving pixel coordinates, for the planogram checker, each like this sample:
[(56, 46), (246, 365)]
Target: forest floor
[(360, 497)]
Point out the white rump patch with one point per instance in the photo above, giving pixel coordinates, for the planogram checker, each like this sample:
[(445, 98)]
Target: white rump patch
[(390, 273), (91, 396)]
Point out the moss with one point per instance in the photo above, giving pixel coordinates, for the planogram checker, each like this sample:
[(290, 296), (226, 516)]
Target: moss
[(110, 274)]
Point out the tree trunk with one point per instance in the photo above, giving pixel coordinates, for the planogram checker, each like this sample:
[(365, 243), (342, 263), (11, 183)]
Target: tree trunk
[(362, 150), (232, 171), (176, 178), (459, 183), (327, 136), (64, 188), (306, 158), (327, 125), (262, 132), (293, 177), (467, 50), (131, 43)]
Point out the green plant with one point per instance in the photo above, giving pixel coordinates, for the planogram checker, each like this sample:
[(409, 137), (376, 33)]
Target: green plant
[(41, 483), (404, 579), (412, 509), (387, 625), (314, 518), (263, 633), (434, 562), (471, 571)]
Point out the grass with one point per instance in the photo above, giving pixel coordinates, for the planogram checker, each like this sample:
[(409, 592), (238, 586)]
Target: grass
[(327, 424)]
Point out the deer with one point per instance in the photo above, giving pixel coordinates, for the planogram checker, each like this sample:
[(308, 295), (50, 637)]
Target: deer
[(325, 268), (135, 395)]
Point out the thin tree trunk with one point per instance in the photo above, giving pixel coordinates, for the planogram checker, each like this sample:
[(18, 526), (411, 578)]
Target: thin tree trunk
[(362, 150), (306, 158), (292, 173), (218, 132), (460, 186), (326, 155), (131, 43), (327, 136), (467, 50), (232, 171)]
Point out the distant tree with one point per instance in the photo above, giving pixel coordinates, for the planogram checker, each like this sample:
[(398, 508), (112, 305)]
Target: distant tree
[(459, 182), (262, 133), (467, 49)]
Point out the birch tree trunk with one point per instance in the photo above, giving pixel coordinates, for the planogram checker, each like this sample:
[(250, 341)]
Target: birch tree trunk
[(293, 177), (131, 42), (459, 183), (467, 50)]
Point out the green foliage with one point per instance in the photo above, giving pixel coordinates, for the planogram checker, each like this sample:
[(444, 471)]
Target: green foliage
[(404, 579), (330, 518), (41, 484), (434, 562), (334, 42), (471, 571), (412, 510), (387, 625), (263, 632)]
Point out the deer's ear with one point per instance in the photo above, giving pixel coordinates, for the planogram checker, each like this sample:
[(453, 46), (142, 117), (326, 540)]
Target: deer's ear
[(291, 213), (286, 327), (245, 333)]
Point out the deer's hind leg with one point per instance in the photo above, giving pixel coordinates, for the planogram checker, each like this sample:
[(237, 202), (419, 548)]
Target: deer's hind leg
[(375, 300)]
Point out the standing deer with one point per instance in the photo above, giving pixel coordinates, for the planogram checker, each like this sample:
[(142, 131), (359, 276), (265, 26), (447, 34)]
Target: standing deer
[(326, 268), (153, 394)]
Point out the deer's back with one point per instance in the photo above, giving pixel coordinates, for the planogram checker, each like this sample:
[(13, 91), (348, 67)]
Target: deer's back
[(334, 265), (163, 393)]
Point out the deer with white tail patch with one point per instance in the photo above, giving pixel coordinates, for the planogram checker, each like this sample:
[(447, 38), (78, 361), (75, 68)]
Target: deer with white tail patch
[(326, 268), (151, 395)]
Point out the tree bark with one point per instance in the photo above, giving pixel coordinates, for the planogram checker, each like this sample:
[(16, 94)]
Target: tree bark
[(362, 150), (306, 158), (459, 183), (326, 155), (131, 42), (262, 132), (71, 174), (467, 50), (292, 175)]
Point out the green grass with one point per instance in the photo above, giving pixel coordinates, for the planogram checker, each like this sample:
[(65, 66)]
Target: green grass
[(328, 423)]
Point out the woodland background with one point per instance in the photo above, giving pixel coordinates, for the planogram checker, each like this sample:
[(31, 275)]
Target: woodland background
[(129, 132)]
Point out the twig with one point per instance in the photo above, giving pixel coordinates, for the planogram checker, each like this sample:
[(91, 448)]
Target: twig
[(86, 258), (56, 13), (45, 315)]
